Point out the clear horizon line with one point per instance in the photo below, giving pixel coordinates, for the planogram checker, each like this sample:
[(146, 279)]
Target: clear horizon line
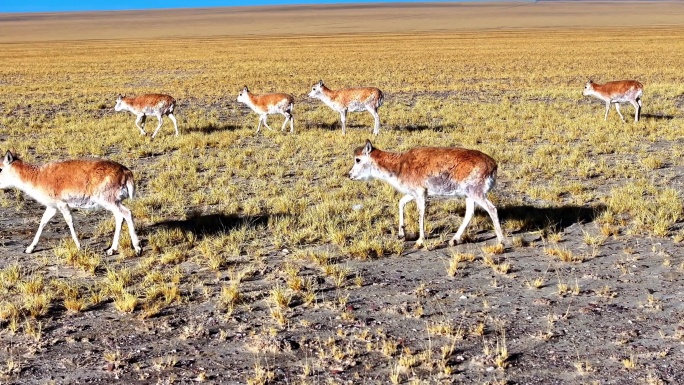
[(43, 6)]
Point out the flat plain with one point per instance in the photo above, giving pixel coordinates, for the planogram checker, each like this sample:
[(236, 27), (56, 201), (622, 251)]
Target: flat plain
[(263, 263)]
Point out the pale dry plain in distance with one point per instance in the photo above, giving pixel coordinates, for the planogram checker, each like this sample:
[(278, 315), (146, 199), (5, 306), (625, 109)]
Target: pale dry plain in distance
[(263, 263)]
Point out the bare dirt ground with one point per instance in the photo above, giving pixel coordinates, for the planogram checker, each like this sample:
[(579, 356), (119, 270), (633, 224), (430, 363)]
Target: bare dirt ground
[(615, 318), (578, 326)]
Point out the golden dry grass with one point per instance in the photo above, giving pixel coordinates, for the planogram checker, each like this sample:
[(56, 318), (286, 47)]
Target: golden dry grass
[(265, 226)]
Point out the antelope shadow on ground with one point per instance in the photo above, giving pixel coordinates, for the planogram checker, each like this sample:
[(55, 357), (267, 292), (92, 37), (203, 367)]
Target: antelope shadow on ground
[(425, 127), (532, 218), (337, 126), (212, 224), (209, 128), (657, 116), (556, 218), (356, 126), (536, 218)]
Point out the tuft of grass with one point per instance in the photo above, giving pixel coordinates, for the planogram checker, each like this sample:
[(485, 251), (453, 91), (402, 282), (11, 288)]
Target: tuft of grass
[(495, 249), (230, 295), (564, 254), (630, 363), (125, 302)]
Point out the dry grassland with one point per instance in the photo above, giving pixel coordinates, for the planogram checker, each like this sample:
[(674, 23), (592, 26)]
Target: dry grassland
[(262, 263)]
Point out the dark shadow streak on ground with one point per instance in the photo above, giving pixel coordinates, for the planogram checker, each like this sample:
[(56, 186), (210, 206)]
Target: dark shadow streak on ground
[(213, 224), (558, 218), (424, 127), (657, 116), (532, 219), (327, 126), (210, 128)]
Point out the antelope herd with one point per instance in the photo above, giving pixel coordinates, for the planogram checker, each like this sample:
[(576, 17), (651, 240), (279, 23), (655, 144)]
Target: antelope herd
[(418, 173)]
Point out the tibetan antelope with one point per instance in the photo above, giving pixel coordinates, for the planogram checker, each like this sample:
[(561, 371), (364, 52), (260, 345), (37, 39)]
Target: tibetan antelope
[(621, 91), (266, 104), (146, 105), (73, 183), (424, 172), (350, 99)]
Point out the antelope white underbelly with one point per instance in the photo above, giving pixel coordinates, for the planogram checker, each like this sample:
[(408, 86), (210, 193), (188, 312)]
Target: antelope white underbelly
[(82, 203), (356, 106), (442, 185)]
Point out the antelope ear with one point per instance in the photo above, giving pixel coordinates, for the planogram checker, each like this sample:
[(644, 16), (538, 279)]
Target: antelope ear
[(119, 97), (9, 157), (245, 89), (367, 148), (320, 83)]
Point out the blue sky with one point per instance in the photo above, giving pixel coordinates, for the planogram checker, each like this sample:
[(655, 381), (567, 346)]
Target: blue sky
[(116, 5)]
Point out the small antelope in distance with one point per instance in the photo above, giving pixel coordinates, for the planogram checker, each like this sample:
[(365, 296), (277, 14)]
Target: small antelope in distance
[(73, 183), (350, 99), (148, 104), (276, 103), (621, 91), (423, 172)]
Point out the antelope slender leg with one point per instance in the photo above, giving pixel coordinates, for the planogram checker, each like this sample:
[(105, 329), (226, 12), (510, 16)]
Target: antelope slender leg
[(402, 202), (343, 117), (66, 213), (128, 216), (160, 117), (376, 119), (288, 117), (266, 124), (470, 210), (118, 220), (420, 201), (637, 109), (617, 108), (493, 214), (140, 123), (175, 123), (47, 215)]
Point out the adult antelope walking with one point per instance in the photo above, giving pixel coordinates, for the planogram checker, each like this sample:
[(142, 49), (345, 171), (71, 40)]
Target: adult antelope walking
[(146, 105), (276, 103), (621, 91), (73, 183), (350, 99), (424, 172)]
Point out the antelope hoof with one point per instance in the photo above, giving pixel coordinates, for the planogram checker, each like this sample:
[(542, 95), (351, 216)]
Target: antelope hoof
[(419, 244), (138, 250), (111, 251), (453, 242), (29, 250)]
